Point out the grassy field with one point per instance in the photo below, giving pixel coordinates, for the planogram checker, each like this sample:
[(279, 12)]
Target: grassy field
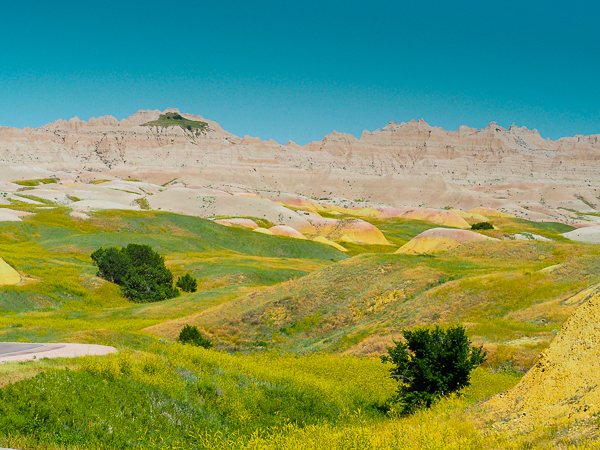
[(297, 327), (173, 396), (503, 291)]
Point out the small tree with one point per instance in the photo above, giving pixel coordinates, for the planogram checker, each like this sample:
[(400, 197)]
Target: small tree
[(482, 226), (191, 335), (187, 283), (432, 364), (139, 270)]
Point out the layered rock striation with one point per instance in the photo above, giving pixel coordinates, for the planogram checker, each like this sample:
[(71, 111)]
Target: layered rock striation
[(412, 162)]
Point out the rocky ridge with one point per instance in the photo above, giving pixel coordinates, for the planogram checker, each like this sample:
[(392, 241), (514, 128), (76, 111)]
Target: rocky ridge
[(403, 163)]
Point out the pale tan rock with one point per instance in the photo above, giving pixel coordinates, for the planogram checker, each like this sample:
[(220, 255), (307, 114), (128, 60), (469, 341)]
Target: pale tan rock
[(60, 351), (589, 235), (7, 217), (79, 215), (411, 164), (282, 230)]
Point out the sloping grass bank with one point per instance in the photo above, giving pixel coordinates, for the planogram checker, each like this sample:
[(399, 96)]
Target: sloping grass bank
[(173, 396)]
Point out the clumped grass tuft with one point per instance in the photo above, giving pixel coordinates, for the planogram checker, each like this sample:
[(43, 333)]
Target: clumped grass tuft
[(36, 182)]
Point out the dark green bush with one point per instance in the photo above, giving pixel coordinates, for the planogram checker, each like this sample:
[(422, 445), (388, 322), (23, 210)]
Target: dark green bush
[(187, 283), (138, 269), (482, 226), (432, 364), (191, 335)]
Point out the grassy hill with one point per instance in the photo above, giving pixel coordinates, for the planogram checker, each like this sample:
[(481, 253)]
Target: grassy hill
[(297, 326), (509, 293), (62, 293)]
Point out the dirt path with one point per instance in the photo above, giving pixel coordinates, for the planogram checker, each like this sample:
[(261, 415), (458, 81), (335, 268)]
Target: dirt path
[(22, 351)]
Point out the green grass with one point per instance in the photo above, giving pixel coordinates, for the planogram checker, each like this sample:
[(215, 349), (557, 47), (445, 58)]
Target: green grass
[(176, 120), (363, 301), (99, 181), (282, 312), (63, 294), (36, 198), (279, 284), (260, 221), (36, 182), (175, 396), (143, 203)]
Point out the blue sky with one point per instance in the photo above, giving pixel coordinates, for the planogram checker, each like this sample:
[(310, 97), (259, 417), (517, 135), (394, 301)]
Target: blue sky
[(299, 70)]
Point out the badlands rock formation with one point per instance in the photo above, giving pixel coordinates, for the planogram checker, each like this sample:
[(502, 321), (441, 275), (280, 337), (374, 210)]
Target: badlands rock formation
[(448, 218), (563, 384), (438, 240), (415, 164), (589, 235)]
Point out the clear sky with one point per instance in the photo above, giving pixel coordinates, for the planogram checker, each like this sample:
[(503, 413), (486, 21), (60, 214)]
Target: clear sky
[(301, 69)]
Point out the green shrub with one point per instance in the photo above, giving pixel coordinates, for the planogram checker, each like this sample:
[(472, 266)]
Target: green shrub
[(191, 335), (432, 364), (187, 283), (143, 203), (138, 269), (482, 226)]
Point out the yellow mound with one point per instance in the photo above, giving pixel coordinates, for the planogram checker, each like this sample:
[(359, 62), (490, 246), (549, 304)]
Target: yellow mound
[(332, 209), (439, 240), (446, 218), (365, 212), (358, 231), (262, 230), (490, 212), (324, 240), (8, 275), (246, 223), (584, 296), (562, 386), (298, 203), (282, 230), (395, 212), (470, 217), (441, 217)]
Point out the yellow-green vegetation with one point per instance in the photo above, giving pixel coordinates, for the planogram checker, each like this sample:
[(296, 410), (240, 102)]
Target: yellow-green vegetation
[(260, 221), (36, 182), (143, 203), (35, 198), (62, 293), (99, 181), (174, 396), (73, 198), (268, 303), (177, 120), (498, 289)]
